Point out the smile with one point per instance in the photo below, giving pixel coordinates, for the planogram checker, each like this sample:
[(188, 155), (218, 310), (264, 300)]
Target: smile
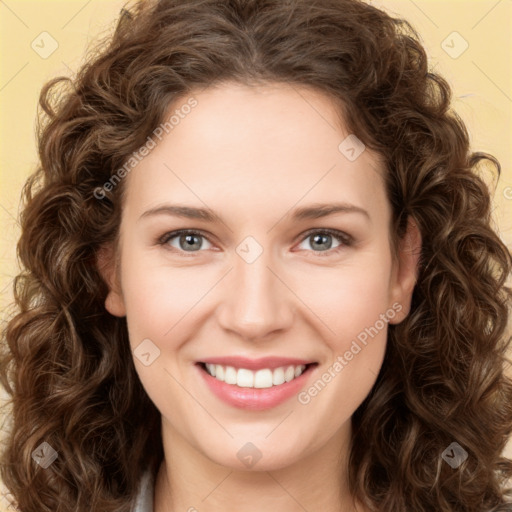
[(265, 386)]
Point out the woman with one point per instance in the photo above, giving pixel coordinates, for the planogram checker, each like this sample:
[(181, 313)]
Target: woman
[(182, 345)]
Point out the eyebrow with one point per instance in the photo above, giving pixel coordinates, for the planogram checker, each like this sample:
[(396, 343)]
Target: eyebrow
[(314, 211)]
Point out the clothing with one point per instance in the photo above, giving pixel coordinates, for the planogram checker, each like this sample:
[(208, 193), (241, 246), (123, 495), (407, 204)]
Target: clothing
[(144, 500)]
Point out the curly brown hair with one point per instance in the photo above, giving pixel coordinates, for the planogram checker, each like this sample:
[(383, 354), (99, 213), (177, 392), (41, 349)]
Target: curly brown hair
[(66, 363)]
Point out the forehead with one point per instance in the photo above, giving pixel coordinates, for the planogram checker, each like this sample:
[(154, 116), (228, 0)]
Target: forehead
[(265, 147)]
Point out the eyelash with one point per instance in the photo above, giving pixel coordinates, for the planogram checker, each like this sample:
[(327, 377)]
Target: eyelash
[(346, 240)]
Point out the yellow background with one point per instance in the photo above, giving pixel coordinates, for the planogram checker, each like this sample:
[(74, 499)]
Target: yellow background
[(480, 77)]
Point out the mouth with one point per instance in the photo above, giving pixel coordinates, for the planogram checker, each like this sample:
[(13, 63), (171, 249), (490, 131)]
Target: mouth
[(260, 389)]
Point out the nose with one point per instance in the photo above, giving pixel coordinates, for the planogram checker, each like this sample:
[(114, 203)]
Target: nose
[(256, 303)]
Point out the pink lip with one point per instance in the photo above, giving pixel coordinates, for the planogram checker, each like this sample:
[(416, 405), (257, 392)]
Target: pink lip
[(255, 399), (256, 364)]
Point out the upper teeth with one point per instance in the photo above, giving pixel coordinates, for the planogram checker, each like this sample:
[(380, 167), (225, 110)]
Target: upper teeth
[(264, 378)]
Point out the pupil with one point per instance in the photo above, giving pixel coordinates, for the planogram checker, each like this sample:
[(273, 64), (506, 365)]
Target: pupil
[(189, 240), (322, 237)]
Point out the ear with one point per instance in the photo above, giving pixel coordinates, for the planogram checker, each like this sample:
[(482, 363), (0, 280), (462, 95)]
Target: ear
[(405, 271), (107, 265)]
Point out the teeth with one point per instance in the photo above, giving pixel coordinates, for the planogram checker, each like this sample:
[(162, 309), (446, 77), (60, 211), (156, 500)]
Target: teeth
[(230, 375), (278, 376), (245, 378), (211, 369), (264, 378)]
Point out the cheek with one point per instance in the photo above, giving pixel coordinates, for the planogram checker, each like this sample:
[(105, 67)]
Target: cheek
[(351, 308), (348, 299), (354, 315), (157, 298)]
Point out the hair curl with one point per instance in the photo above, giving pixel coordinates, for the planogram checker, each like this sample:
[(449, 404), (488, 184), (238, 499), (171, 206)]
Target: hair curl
[(66, 362)]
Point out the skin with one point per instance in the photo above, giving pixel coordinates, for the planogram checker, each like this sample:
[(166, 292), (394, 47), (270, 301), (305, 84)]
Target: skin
[(253, 155)]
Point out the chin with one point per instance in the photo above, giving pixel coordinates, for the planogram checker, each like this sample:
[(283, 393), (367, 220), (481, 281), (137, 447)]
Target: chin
[(256, 456)]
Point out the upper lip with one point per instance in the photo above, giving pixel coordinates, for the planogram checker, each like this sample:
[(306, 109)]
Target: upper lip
[(256, 364)]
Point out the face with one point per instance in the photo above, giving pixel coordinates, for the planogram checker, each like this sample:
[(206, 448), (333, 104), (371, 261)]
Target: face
[(259, 279)]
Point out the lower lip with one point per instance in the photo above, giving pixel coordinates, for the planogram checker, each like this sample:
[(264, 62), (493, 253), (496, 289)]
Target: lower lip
[(255, 399)]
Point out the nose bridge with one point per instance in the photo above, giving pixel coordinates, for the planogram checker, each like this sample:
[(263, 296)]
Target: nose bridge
[(255, 302)]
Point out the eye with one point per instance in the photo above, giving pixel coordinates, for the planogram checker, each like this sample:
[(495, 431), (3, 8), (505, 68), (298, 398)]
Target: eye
[(187, 240), (321, 239)]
